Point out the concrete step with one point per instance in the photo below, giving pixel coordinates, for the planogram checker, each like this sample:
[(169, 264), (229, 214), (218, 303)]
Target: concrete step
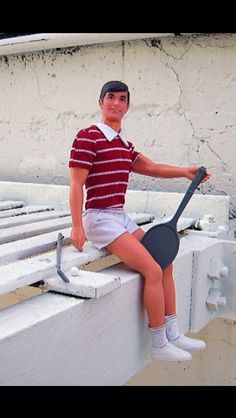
[(8, 213), (10, 204), (31, 218), (25, 231)]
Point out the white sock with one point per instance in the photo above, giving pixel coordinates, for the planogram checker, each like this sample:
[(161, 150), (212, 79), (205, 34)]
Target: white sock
[(172, 329), (158, 335)]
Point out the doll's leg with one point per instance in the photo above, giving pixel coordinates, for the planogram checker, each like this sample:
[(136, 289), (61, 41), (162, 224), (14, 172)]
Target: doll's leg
[(167, 282), (128, 249), (135, 256), (169, 291), (172, 329)]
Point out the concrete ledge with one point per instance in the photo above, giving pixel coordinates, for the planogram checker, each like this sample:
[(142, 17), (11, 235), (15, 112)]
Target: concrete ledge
[(55, 339), (163, 204), (107, 338), (44, 41), (61, 340), (160, 204)]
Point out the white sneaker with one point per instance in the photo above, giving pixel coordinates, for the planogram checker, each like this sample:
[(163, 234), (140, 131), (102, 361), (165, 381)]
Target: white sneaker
[(187, 343), (170, 353)]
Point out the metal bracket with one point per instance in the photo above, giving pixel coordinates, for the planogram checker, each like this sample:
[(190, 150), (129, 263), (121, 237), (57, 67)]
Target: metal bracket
[(215, 300), (58, 265)]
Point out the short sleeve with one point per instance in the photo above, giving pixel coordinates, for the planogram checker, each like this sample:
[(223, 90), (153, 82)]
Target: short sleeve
[(134, 154), (83, 150)]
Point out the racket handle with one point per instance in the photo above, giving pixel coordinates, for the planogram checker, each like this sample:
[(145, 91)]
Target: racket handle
[(197, 180)]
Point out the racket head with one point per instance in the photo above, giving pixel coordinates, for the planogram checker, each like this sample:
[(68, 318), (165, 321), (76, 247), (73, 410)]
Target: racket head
[(162, 242)]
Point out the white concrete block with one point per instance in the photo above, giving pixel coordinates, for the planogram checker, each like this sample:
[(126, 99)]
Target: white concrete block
[(113, 327), (221, 232), (86, 284), (25, 272), (60, 340), (182, 271), (163, 204), (203, 282), (159, 204), (141, 218), (36, 194), (182, 224), (228, 284)]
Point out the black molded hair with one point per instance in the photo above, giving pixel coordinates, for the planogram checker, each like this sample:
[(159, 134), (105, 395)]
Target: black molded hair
[(114, 86)]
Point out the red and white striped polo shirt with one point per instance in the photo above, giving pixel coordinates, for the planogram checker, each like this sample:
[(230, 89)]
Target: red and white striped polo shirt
[(109, 159)]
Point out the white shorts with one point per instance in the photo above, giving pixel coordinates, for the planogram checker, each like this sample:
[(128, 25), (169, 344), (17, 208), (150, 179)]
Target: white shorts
[(102, 226)]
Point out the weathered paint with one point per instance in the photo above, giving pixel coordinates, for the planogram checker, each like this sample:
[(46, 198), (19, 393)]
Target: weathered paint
[(182, 99)]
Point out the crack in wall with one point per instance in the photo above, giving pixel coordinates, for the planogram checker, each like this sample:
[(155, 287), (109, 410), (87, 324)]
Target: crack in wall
[(215, 153), (182, 112), (179, 109), (173, 58), (39, 89), (157, 43)]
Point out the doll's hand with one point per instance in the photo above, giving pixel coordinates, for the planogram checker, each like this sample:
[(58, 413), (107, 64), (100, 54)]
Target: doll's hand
[(192, 171), (78, 237)]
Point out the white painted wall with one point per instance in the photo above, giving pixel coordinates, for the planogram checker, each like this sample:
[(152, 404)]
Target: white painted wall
[(183, 101)]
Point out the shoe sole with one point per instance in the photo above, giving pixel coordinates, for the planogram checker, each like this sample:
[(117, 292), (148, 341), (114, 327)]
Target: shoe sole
[(169, 359), (194, 349), (190, 349)]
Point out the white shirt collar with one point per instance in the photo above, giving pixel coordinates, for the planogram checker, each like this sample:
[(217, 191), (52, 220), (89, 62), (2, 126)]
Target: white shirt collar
[(110, 133)]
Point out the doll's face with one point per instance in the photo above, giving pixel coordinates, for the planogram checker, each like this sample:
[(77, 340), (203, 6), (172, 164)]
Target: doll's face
[(114, 105)]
